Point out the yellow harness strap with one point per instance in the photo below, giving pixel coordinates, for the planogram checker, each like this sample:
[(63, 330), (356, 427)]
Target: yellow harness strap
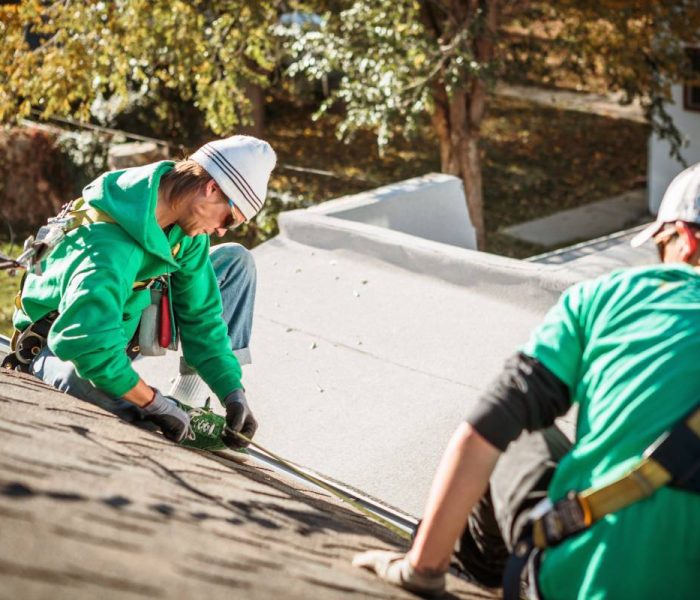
[(82, 213), (645, 478)]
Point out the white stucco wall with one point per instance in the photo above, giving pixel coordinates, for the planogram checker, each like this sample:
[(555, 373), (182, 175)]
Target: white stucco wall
[(432, 207), (663, 168)]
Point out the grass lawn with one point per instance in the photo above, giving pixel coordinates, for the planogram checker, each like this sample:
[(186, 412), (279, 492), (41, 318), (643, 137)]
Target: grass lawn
[(8, 289), (537, 161)]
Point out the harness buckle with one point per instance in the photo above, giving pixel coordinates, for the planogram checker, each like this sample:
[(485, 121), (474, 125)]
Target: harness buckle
[(567, 517), (38, 248)]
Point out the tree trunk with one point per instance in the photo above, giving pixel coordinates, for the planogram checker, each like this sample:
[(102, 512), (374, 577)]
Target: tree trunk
[(470, 161), (457, 117), (459, 153), (256, 96)]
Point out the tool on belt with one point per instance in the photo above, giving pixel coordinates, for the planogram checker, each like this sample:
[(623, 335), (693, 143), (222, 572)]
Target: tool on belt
[(26, 345), (156, 332), (673, 460)]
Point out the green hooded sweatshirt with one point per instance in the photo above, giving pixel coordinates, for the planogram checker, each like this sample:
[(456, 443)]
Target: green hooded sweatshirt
[(89, 277)]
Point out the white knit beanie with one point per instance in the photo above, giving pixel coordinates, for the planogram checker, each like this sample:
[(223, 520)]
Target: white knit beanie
[(241, 165)]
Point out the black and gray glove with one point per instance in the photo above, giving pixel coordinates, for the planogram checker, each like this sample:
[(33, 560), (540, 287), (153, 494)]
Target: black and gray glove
[(239, 419), (165, 412)]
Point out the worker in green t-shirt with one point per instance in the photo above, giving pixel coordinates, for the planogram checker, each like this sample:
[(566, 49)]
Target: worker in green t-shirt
[(624, 348)]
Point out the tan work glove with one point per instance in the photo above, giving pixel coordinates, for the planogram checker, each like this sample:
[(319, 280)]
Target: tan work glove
[(395, 568)]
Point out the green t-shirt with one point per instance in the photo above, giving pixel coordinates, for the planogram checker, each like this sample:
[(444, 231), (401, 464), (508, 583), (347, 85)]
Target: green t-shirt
[(628, 347)]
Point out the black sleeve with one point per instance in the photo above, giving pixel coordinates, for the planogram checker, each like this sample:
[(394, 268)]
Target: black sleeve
[(526, 395)]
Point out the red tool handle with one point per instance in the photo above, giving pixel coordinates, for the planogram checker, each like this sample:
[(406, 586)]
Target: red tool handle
[(165, 334)]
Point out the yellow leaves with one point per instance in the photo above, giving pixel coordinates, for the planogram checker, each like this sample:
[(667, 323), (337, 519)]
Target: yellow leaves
[(419, 60), (100, 48), (24, 109)]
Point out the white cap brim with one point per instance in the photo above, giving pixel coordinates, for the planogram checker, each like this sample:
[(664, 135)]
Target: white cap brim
[(646, 234)]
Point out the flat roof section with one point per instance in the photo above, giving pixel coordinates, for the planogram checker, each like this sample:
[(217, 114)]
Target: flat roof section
[(432, 207), (371, 345)]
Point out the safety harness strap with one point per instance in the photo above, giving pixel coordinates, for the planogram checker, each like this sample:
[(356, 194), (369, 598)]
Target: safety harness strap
[(577, 512), (673, 459), (81, 213), (28, 343), (524, 553), (641, 482)]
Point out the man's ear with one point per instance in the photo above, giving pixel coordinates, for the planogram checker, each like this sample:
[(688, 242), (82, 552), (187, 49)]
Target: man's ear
[(210, 188), (688, 240)]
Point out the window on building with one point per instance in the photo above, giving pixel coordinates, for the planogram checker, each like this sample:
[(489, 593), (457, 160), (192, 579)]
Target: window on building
[(691, 90)]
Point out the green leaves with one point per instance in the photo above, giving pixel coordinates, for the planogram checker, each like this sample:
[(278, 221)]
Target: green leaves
[(390, 59), (380, 50), (78, 52), (397, 57)]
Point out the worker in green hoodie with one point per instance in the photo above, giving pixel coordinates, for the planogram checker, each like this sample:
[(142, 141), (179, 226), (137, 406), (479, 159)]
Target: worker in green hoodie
[(142, 229)]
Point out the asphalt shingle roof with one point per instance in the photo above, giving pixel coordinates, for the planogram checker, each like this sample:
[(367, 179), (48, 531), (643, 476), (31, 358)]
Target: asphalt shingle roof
[(94, 507)]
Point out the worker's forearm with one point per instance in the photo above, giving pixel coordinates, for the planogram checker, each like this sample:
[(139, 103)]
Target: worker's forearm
[(461, 479), (141, 394)]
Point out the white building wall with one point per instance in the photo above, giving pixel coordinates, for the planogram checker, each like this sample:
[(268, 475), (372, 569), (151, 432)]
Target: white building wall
[(662, 167)]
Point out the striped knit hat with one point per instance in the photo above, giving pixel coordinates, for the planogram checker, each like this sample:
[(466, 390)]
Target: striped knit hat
[(241, 165)]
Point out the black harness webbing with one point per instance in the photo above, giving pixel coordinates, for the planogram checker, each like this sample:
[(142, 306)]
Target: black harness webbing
[(27, 344), (673, 460)]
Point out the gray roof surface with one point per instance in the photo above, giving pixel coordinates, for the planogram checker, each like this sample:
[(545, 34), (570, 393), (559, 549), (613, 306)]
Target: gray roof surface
[(371, 346)]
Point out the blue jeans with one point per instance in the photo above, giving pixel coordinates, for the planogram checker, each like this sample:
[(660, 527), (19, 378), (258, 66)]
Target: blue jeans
[(234, 267), (235, 273)]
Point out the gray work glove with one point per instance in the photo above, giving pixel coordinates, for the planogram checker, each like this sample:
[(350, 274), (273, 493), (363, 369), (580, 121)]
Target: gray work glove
[(395, 568), (239, 419), (165, 412)]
